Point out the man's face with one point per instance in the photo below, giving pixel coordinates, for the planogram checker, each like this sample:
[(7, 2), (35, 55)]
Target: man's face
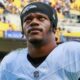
[(36, 27)]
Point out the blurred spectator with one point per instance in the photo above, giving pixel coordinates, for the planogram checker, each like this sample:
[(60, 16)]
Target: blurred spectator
[(2, 6), (72, 1), (24, 2), (11, 7), (66, 10), (2, 12)]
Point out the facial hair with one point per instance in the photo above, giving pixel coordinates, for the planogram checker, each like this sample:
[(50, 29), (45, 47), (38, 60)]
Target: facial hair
[(40, 42)]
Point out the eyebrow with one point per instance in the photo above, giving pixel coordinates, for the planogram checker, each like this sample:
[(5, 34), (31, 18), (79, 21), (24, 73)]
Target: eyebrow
[(38, 14)]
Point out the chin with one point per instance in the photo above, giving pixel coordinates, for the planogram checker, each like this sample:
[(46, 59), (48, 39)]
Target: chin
[(35, 39), (36, 42)]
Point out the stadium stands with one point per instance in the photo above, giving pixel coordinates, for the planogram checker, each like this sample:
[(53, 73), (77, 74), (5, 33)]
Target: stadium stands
[(10, 19)]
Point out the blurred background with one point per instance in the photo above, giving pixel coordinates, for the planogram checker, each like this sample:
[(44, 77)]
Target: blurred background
[(11, 38)]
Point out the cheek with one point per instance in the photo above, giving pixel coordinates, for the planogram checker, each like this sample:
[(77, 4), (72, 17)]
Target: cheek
[(25, 29), (46, 25)]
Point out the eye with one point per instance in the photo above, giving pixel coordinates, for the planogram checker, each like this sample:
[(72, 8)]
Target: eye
[(41, 18), (27, 20)]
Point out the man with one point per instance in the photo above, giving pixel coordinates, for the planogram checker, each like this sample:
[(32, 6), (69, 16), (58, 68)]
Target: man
[(42, 59)]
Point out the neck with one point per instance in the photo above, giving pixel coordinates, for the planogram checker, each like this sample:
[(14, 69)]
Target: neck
[(41, 51)]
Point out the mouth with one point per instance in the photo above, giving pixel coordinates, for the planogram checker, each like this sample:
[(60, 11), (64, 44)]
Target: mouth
[(34, 30)]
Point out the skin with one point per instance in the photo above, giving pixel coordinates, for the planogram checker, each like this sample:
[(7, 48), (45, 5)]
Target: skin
[(40, 37)]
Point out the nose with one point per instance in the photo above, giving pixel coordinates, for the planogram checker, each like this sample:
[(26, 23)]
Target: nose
[(34, 22)]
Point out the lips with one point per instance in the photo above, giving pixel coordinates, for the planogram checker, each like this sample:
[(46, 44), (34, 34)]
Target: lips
[(34, 30)]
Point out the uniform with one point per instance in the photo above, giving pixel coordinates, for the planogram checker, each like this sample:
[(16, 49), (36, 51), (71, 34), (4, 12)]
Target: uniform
[(63, 63)]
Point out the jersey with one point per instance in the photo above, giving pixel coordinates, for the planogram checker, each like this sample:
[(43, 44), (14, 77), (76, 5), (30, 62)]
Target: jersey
[(63, 63)]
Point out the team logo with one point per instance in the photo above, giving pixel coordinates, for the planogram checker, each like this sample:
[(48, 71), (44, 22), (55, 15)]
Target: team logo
[(28, 8), (36, 74)]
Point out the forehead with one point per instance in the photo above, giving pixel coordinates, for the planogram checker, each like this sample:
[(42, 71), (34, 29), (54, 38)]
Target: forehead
[(36, 14)]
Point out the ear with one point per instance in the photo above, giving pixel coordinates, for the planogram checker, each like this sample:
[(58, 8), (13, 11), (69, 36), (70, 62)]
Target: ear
[(22, 35), (22, 32), (54, 30)]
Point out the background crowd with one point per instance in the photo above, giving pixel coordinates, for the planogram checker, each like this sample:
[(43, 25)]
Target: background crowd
[(10, 11)]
